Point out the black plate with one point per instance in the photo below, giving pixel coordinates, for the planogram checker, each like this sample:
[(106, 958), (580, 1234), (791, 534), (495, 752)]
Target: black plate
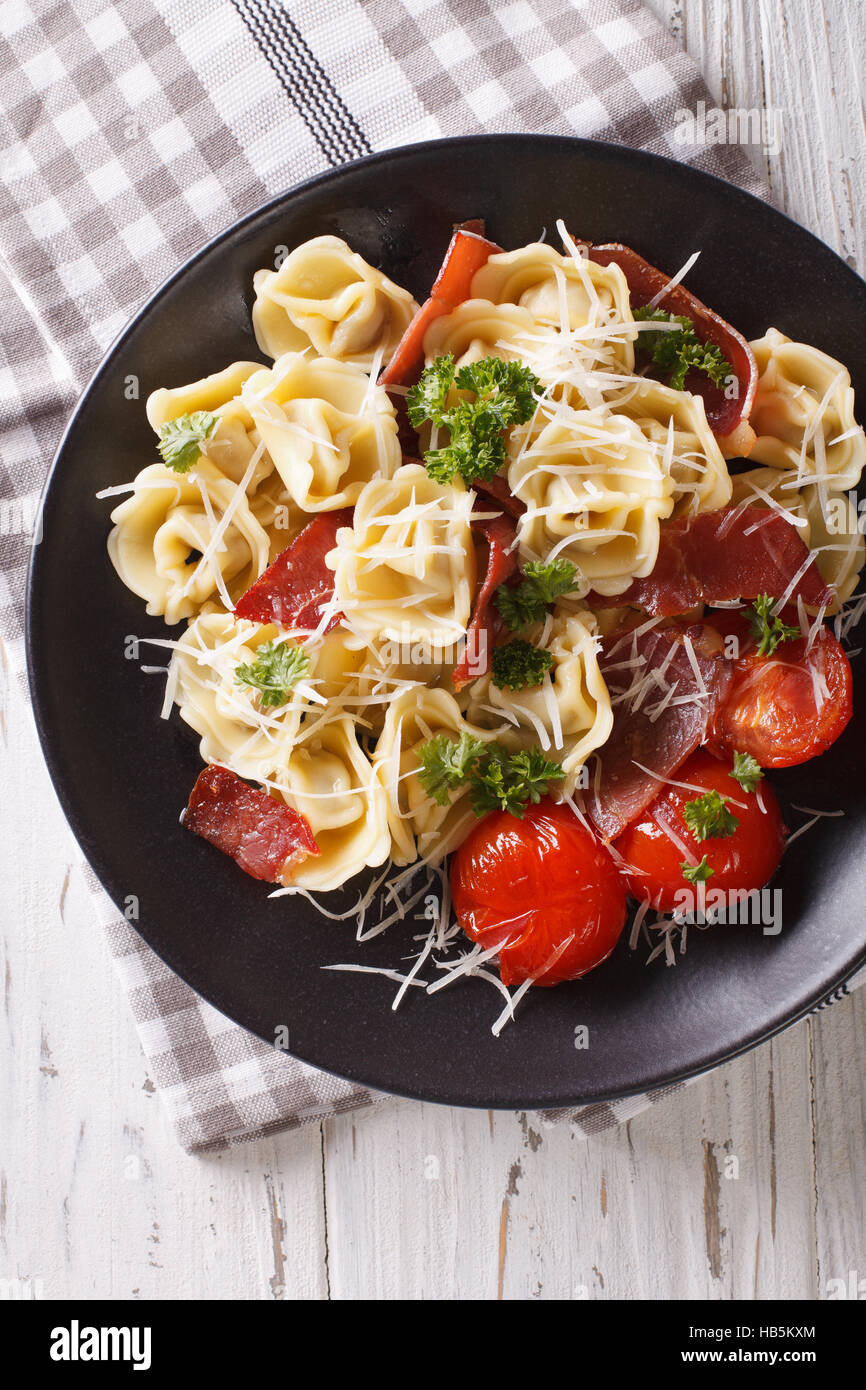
[(122, 775)]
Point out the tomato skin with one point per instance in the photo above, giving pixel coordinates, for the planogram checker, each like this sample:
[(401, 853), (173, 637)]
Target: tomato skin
[(771, 711), (745, 860), (543, 889)]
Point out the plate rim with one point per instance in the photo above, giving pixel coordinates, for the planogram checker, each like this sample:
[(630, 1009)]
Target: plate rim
[(816, 1000)]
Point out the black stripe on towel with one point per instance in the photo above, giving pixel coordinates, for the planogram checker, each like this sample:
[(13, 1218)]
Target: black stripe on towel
[(306, 83)]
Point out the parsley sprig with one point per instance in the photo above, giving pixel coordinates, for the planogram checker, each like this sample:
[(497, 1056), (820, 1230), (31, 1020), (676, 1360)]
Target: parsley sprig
[(747, 771), (180, 440), (541, 584), (510, 781), (768, 631), (277, 668), (678, 351), (697, 873), (504, 395), (497, 779), (708, 817), (447, 763), (517, 664)]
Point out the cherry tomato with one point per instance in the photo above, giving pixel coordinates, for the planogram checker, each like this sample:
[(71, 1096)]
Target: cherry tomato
[(543, 890), (772, 710), (745, 860)]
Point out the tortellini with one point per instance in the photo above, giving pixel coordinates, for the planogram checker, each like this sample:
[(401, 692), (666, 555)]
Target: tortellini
[(183, 540), (569, 715), (326, 297), (327, 427), (693, 458), (420, 827), (803, 413), (330, 780), (595, 491), (235, 440), (566, 292), (405, 572), (477, 329), (234, 728)]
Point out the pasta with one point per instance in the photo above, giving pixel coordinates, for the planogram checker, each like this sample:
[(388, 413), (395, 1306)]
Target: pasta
[(328, 429), (569, 293), (595, 491), (803, 414), (234, 729), (325, 297), (330, 780), (554, 474), (478, 329), (420, 827), (569, 715), (701, 481), (405, 571), (181, 542), (235, 439)]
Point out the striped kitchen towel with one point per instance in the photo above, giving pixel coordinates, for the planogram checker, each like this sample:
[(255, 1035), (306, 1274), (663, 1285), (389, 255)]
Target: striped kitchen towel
[(131, 134)]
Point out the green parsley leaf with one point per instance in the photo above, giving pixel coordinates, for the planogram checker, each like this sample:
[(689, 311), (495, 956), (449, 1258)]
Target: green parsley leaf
[(709, 818), (426, 399), (769, 632), (679, 351), (505, 389), (510, 781), (747, 771), (497, 780), (277, 667), (697, 873), (447, 763), (504, 395), (476, 449), (180, 440), (541, 584), (518, 663)]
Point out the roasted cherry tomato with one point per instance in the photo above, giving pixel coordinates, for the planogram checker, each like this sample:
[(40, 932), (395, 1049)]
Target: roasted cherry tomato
[(744, 860), (543, 890), (788, 707)]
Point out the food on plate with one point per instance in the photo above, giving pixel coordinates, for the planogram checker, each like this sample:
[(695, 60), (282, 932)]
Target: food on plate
[(516, 596)]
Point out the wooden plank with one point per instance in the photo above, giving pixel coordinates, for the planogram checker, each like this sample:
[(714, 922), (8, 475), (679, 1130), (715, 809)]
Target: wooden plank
[(96, 1197)]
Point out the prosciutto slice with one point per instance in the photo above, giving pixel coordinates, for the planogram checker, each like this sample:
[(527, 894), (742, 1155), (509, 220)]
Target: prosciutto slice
[(644, 283), (485, 623), (293, 590), (264, 836), (468, 251), (665, 686), (497, 488), (721, 556)]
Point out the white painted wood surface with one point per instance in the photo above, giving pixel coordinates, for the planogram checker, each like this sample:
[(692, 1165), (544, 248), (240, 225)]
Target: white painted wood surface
[(749, 1184)]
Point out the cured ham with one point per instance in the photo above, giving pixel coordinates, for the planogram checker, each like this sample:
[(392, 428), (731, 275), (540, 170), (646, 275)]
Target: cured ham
[(293, 590), (721, 556), (502, 562), (644, 283), (497, 488), (468, 251), (666, 685), (265, 837)]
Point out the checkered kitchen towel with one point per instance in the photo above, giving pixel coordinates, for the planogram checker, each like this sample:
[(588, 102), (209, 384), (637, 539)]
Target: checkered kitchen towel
[(132, 133)]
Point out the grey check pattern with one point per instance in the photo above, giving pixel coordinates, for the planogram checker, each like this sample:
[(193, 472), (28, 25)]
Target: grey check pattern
[(132, 133)]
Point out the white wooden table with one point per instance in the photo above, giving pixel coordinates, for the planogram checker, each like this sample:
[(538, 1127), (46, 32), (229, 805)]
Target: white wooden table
[(96, 1198)]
